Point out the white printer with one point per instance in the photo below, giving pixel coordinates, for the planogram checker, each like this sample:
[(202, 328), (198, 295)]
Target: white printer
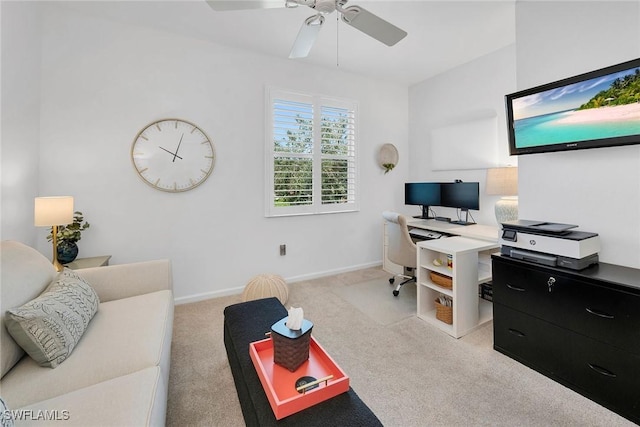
[(549, 243)]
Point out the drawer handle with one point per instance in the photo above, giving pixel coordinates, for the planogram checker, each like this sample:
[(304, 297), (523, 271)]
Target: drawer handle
[(516, 332), (515, 288), (599, 313), (602, 371)]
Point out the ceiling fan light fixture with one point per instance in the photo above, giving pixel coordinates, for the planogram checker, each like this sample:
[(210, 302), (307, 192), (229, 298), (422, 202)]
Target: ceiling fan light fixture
[(355, 16), (325, 6)]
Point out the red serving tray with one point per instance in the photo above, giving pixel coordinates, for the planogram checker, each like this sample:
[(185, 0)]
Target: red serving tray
[(279, 383)]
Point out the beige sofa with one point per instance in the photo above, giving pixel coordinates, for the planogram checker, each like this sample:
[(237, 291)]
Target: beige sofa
[(118, 372)]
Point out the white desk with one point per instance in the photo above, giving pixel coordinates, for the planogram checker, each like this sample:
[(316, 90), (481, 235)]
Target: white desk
[(475, 231), (471, 266), (487, 233), (471, 255)]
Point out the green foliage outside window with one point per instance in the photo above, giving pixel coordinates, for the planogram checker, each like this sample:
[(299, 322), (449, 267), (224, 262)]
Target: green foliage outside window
[(293, 164)]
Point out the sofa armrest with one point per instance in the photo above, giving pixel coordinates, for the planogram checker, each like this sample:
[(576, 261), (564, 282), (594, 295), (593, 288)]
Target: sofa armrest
[(119, 281)]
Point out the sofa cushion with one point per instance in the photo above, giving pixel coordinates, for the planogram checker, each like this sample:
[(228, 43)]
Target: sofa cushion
[(125, 336), (25, 273), (137, 399), (51, 325)]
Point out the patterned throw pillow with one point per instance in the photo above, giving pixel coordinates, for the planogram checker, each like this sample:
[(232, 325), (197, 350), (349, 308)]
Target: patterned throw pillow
[(50, 326), (6, 417)]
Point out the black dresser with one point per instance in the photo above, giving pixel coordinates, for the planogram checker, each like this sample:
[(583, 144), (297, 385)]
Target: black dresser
[(579, 328)]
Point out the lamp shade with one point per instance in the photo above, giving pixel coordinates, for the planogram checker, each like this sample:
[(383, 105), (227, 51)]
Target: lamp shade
[(502, 181), (50, 211)]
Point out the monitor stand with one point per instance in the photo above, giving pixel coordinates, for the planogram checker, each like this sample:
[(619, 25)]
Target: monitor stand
[(466, 218), (425, 212)]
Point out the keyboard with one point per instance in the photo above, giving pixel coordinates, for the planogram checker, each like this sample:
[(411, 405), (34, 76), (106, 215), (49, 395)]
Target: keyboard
[(424, 234)]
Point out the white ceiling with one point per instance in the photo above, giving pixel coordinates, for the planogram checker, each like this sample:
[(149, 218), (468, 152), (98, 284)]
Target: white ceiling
[(442, 34)]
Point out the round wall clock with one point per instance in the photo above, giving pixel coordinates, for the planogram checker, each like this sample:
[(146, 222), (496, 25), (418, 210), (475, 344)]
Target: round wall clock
[(173, 155)]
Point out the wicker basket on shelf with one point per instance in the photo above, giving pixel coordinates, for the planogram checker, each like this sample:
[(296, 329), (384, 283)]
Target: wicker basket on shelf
[(444, 313), (441, 280)]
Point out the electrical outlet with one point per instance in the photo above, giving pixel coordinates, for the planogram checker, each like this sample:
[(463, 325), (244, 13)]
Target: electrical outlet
[(283, 250)]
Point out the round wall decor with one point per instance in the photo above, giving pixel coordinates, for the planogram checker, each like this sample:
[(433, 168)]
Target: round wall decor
[(388, 157), (173, 155)]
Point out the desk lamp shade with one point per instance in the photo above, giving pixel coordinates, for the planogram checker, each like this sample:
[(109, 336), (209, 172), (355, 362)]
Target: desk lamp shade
[(504, 182), (52, 212)]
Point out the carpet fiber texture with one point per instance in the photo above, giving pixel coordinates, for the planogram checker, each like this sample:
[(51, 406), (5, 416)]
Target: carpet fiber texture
[(408, 372), (375, 299)]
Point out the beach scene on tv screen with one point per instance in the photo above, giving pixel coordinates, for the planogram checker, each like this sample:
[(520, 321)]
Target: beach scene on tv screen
[(603, 107)]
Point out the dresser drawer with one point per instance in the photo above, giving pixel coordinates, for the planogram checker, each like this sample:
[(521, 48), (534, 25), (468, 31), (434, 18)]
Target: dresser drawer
[(606, 374), (609, 315), (579, 328), (523, 289), (606, 315), (535, 343)]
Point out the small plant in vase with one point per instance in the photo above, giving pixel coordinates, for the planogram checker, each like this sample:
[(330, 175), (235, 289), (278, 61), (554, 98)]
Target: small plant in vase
[(68, 236), (388, 167)]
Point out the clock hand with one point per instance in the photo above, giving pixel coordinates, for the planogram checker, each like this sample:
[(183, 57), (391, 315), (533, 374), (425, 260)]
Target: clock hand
[(173, 154), (176, 153)]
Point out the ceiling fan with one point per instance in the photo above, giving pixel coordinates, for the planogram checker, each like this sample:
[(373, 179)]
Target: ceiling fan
[(356, 16)]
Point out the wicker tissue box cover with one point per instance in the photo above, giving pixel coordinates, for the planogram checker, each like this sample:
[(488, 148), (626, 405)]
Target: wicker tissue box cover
[(290, 348)]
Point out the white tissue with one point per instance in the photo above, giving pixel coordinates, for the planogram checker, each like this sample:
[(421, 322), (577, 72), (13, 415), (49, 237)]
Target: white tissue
[(294, 321)]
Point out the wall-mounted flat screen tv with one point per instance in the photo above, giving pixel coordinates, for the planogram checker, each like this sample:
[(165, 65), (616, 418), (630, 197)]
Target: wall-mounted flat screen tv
[(596, 109)]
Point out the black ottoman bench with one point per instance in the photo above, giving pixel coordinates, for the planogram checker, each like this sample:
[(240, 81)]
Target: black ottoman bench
[(247, 322)]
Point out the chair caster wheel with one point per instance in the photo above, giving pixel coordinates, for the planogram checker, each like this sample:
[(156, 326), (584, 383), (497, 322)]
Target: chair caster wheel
[(393, 279), (396, 293)]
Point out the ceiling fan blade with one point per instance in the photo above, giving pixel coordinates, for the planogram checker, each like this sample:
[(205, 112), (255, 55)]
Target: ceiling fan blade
[(306, 36), (372, 25), (224, 5)]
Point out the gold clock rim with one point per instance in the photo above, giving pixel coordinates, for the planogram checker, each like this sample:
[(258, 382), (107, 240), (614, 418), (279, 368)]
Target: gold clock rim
[(168, 190)]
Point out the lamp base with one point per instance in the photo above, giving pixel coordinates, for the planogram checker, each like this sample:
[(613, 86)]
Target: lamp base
[(506, 209), (54, 259)]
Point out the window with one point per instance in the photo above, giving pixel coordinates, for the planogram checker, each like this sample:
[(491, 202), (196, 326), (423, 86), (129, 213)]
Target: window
[(311, 154)]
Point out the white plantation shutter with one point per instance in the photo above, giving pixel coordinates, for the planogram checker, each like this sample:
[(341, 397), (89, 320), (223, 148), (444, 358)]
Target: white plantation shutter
[(338, 155), (292, 153), (311, 162)]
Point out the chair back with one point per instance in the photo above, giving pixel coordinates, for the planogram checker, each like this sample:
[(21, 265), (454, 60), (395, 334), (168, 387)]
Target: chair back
[(401, 249)]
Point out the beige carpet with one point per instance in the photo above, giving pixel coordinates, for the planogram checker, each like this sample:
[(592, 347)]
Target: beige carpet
[(375, 299), (407, 372)]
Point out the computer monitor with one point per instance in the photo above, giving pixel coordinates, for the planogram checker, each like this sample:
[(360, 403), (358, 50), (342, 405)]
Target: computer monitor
[(461, 195), (423, 194)]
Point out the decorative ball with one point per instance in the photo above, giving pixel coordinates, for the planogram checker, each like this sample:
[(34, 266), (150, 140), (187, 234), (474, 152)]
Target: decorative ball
[(265, 286)]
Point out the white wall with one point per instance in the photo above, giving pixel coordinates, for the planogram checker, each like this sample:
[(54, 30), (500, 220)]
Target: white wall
[(473, 91), (21, 40), (598, 189), (103, 81)]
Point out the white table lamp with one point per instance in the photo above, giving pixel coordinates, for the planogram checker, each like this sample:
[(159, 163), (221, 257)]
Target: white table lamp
[(504, 182), (52, 212)]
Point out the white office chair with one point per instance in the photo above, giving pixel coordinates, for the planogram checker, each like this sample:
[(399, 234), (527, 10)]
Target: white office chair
[(401, 249)]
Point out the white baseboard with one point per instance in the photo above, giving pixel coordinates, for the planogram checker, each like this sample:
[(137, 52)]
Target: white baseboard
[(332, 272), (208, 295), (234, 291)]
